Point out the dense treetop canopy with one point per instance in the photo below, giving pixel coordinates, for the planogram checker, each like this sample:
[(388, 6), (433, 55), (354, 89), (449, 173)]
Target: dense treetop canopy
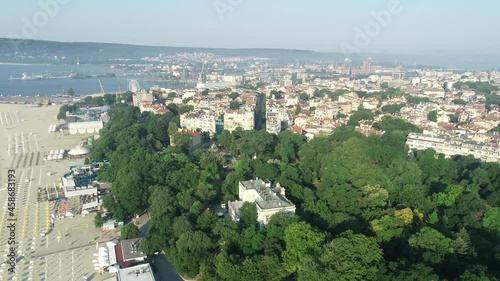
[(367, 208)]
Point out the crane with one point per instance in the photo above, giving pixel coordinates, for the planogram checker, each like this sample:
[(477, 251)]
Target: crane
[(201, 73), (100, 84)]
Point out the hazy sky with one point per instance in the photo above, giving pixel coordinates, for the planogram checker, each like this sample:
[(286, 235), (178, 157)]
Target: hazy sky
[(414, 26)]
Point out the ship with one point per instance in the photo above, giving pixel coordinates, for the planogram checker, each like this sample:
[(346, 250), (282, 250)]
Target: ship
[(80, 76), (107, 75), (25, 76)]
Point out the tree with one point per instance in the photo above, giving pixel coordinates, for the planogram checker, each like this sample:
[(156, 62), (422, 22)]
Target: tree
[(130, 231), (62, 112), (413, 100), (311, 155), (302, 242), (71, 92), (348, 257), (88, 100), (248, 215), (495, 130), (234, 95), (432, 116), (434, 217), (392, 108), (288, 145), (266, 171), (389, 123), (162, 200), (172, 128), (459, 102), (234, 105), (434, 245), (117, 210), (98, 221), (185, 108), (127, 97), (109, 99), (491, 220), (387, 228), (277, 94), (193, 247), (361, 114)]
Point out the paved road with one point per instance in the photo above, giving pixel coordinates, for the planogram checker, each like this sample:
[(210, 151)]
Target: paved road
[(165, 270)]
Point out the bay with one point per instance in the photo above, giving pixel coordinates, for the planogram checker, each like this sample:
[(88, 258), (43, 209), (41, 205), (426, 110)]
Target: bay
[(46, 87)]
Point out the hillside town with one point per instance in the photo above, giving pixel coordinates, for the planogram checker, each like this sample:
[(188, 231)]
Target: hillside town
[(314, 100)]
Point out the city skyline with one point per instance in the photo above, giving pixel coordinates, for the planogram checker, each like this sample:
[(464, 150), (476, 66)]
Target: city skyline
[(385, 27)]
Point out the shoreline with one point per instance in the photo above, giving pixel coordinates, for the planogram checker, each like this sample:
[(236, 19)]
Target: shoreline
[(25, 64), (54, 99)]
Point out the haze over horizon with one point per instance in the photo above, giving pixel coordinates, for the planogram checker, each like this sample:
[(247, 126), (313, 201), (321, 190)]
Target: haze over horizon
[(385, 27)]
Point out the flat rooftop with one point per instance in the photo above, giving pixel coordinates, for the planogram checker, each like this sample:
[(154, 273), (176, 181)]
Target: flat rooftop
[(271, 197), (131, 249), (140, 272)]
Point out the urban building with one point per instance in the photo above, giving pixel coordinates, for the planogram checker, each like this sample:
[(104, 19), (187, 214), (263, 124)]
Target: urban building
[(205, 121), (239, 118), (141, 272), (85, 127), (454, 146), (141, 97), (273, 126), (269, 200)]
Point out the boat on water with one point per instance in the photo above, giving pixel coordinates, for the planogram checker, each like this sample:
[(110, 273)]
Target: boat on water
[(30, 77), (80, 76)]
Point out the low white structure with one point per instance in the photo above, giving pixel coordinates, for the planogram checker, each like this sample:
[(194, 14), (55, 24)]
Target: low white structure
[(450, 147), (71, 190), (140, 272), (79, 151), (268, 200), (87, 127)]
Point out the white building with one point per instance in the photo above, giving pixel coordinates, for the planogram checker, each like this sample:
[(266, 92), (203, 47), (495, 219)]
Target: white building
[(268, 200), (438, 93), (273, 126), (450, 147), (85, 128), (141, 272), (275, 112), (201, 120), (239, 118), (142, 96)]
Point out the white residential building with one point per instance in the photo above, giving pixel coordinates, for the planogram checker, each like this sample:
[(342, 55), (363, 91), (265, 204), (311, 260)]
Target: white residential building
[(141, 97), (239, 118), (269, 200), (450, 147), (201, 120), (273, 126), (276, 112)]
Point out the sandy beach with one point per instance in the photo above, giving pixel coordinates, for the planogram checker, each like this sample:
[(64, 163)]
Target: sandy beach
[(24, 142)]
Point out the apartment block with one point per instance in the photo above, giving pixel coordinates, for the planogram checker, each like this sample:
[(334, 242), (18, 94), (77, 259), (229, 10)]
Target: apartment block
[(239, 118), (200, 120), (454, 146)]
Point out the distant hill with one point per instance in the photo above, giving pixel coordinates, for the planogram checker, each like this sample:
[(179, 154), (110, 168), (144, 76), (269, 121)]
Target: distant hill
[(97, 53)]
